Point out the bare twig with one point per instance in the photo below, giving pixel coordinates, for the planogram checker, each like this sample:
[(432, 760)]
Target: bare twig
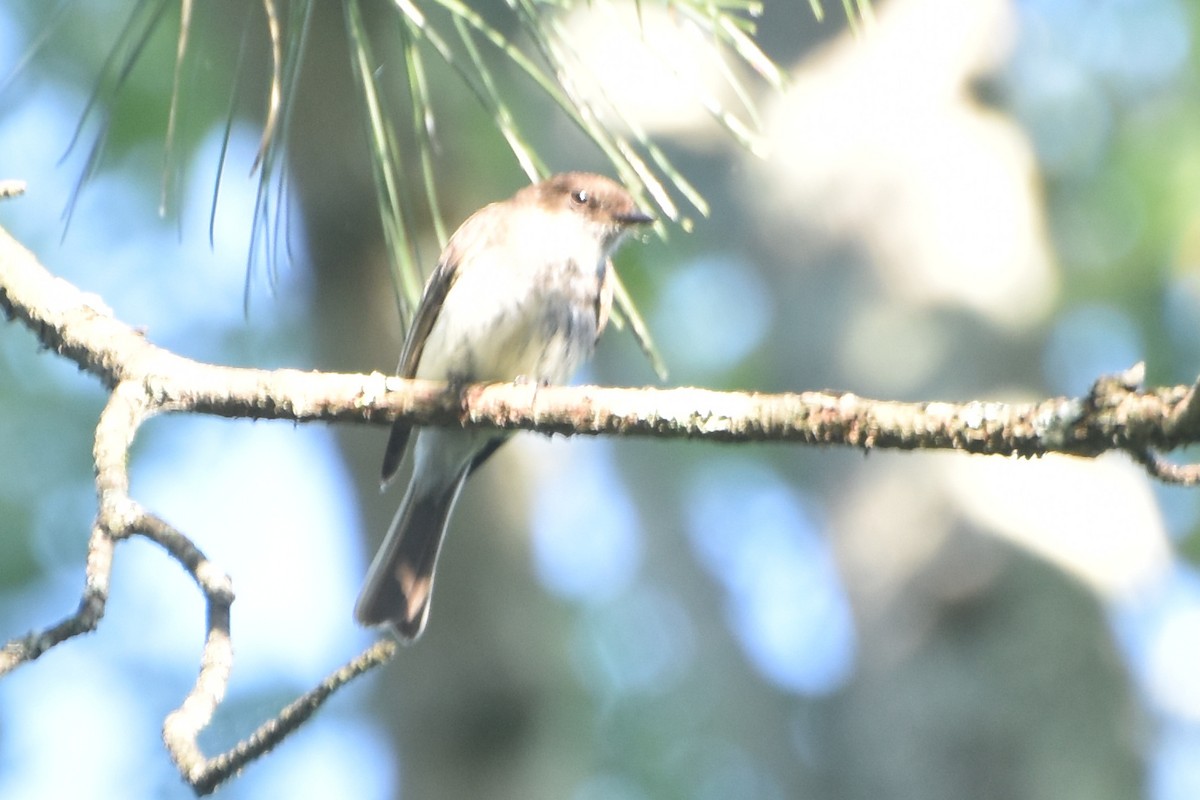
[(1165, 471), (183, 725)]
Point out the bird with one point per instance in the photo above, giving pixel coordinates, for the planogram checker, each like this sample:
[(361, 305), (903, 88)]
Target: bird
[(521, 293)]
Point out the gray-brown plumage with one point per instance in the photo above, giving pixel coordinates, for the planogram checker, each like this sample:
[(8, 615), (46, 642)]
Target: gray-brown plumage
[(521, 292)]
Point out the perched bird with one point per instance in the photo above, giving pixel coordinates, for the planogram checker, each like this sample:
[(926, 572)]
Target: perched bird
[(521, 292)]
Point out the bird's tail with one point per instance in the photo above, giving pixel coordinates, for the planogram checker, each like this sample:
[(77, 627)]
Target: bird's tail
[(400, 580)]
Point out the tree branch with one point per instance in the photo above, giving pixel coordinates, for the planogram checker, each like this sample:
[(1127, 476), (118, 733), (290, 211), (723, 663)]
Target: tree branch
[(146, 380)]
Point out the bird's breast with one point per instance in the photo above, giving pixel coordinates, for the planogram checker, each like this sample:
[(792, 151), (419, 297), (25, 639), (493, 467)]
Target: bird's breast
[(509, 318)]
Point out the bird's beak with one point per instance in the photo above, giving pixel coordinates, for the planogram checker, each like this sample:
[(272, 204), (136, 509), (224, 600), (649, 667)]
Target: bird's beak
[(635, 217)]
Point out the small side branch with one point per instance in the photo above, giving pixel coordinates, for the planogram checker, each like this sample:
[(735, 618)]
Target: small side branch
[(184, 724)]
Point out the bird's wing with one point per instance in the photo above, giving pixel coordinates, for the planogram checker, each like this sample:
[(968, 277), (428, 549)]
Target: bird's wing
[(471, 234), (427, 312)]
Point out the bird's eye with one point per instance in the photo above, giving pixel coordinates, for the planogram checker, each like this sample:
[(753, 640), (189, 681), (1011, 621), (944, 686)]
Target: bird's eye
[(580, 197)]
